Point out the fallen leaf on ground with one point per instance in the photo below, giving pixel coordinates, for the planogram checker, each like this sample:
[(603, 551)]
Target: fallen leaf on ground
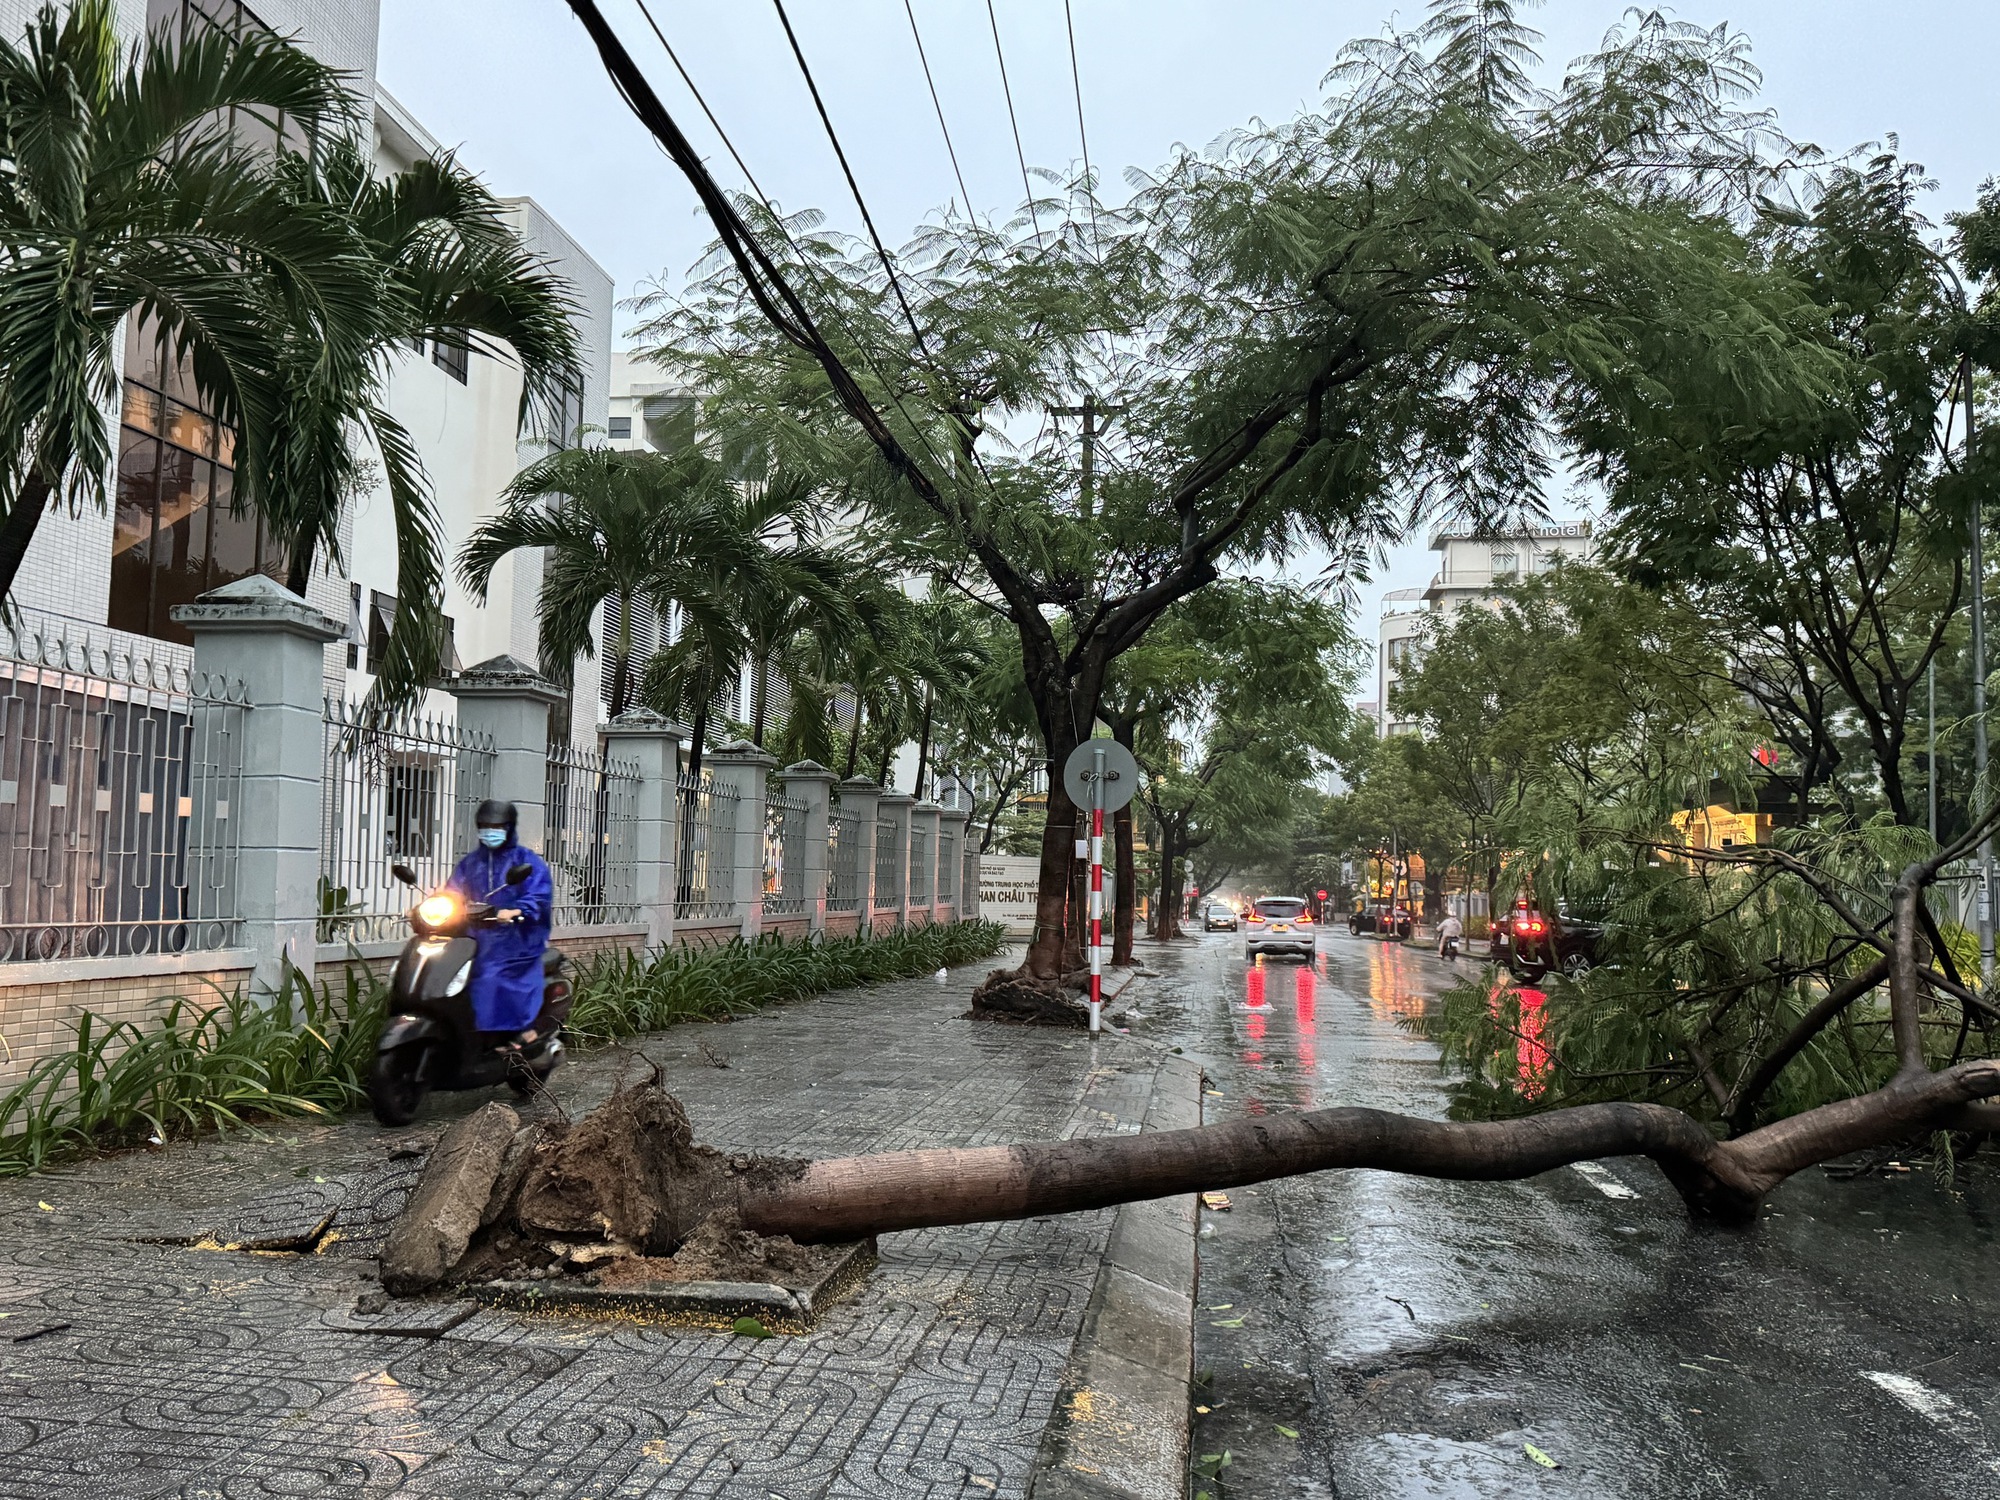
[(1226, 1323), (750, 1328), (1284, 1431), (1539, 1457), (1202, 1409), (1219, 1202), (1222, 1307), (47, 1208)]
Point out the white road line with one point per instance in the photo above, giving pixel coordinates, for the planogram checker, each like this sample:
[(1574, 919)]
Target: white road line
[(1936, 1408), (1602, 1180)]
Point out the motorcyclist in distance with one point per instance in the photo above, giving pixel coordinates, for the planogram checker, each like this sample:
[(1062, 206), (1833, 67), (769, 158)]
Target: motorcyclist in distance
[(506, 990), (1450, 930)]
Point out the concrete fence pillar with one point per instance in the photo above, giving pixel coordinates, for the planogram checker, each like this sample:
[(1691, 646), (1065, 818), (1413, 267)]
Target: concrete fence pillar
[(812, 784), (653, 743), (953, 823), (892, 820), (509, 701), (273, 642), (924, 883), (742, 768), (857, 796)]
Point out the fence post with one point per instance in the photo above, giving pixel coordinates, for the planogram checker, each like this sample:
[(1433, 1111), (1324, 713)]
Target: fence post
[(893, 808), (509, 701), (273, 642), (953, 822), (812, 784), (923, 891), (742, 768), (652, 742), (857, 796)]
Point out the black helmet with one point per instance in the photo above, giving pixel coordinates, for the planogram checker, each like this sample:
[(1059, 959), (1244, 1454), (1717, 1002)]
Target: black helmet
[(495, 814)]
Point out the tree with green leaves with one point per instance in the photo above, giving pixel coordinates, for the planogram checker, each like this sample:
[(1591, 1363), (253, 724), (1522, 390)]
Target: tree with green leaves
[(126, 191), (1314, 328)]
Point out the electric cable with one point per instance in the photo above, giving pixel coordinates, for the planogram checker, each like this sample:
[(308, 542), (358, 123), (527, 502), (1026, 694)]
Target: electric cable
[(686, 78), (1083, 138), (936, 104), (1007, 90), (882, 253)]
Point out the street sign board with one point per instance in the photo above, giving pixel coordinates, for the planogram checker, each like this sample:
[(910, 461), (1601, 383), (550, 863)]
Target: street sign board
[(1121, 774)]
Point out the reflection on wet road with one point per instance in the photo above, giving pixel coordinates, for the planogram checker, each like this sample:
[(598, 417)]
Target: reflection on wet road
[(1419, 1336)]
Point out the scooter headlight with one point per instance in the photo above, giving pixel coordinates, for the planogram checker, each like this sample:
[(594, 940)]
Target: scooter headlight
[(461, 979), (435, 911)]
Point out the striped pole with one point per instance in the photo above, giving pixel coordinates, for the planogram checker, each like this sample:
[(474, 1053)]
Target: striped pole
[(1097, 893)]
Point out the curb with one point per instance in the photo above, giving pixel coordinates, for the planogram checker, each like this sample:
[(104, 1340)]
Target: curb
[(1119, 1430)]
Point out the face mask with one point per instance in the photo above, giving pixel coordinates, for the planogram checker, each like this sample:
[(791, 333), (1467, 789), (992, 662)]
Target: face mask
[(493, 838)]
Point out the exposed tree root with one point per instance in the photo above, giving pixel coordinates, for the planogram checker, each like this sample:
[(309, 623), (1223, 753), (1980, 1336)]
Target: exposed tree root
[(629, 1174), (1016, 996)]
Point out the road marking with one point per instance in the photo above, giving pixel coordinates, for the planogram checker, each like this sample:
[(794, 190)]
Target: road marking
[(1602, 1180), (1937, 1408)]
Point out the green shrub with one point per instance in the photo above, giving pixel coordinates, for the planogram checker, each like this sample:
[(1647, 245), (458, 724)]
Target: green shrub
[(625, 994), (301, 1051)]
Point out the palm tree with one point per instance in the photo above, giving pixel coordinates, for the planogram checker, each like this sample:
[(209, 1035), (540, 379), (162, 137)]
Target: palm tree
[(124, 191), (618, 529), (442, 264)]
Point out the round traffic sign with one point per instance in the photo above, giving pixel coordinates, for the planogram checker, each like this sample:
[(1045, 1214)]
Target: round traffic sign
[(1105, 759)]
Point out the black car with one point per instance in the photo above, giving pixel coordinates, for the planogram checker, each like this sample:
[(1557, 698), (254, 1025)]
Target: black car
[(1532, 943)]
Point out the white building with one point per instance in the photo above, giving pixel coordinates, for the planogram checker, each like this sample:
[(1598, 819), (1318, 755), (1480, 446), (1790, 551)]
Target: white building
[(168, 535), (1472, 569)]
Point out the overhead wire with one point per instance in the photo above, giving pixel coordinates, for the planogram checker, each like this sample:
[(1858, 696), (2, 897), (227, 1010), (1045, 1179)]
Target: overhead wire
[(1007, 90), (881, 251), (728, 145), (1082, 136), (937, 104)]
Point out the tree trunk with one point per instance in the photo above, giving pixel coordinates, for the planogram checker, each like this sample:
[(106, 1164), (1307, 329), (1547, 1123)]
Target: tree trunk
[(854, 739), (1127, 894), (760, 697), (18, 530), (1048, 950), (923, 744), (298, 573)]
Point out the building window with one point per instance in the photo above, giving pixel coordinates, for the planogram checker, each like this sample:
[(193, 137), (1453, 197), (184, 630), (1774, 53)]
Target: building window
[(357, 630), (261, 132), (620, 428), (563, 428), (1505, 565), (175, 532), (1400, 652), (381, 620), (452, 357)]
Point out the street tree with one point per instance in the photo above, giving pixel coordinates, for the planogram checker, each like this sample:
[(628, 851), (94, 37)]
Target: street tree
[(1313, 329)]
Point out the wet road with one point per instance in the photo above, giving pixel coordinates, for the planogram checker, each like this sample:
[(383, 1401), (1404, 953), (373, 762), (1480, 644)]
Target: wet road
[(1417, 1336)]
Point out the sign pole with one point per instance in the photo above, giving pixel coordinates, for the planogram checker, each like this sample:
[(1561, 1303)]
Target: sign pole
[(1096, 891)]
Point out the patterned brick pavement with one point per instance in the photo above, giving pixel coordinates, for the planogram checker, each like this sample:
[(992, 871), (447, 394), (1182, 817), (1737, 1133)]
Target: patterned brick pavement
[(199, 1373)]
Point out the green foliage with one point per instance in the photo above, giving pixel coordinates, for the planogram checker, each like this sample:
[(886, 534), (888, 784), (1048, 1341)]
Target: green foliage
[(627, 994), (197, 1067)]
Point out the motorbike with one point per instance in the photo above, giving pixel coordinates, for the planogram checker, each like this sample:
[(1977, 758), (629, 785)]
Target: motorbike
[(1448, 949), (430, 1039)]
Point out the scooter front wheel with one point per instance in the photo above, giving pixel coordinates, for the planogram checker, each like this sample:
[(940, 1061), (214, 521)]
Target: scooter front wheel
[(397, 1086)]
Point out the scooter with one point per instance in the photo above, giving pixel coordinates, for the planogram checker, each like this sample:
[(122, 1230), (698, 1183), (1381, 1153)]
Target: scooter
[(429, 1039), (1448, 949)]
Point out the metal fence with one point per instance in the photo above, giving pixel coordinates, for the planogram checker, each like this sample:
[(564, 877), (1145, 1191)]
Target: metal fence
[(846, 881), (397, 789), (888, 864), (590, 836), (947, 867), (968, 880), (920, 867), (784, 855), (705, 878), (120, 814)]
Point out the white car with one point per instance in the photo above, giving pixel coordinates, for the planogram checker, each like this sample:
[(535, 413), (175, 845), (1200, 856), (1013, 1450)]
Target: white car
[(1280, 924)]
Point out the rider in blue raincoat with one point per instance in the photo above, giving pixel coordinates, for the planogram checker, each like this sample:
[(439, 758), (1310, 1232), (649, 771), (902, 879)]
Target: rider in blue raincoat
[(506, 987)]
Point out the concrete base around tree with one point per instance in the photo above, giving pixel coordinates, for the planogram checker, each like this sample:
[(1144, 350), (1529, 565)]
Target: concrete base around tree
[(188, 1366)]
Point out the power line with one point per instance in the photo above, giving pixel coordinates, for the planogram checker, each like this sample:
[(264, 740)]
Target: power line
[(895, 281), (1013, 119), (936, 104), (1076, 81), (728, 144)]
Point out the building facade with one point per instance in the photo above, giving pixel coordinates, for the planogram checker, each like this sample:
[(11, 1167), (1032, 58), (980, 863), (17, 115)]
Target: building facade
[(1472, 570), (169, 534)]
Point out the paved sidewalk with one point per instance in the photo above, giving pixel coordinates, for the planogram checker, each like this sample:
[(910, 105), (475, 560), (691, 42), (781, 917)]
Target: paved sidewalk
[(204, 1373)]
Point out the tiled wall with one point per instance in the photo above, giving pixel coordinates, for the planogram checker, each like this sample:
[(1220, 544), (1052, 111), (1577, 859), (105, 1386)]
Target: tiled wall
[(37, 1019)]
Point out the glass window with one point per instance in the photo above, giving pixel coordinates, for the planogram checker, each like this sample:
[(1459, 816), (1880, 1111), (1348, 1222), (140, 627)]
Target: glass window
[(381, 618), (132, 533), (1505, 565), (450, 356), (620, 427)]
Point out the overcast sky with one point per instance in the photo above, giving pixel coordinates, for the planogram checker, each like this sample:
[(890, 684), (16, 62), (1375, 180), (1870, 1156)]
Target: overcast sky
[(516, 86)]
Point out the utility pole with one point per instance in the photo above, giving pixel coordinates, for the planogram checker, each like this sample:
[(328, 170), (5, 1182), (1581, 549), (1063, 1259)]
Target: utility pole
[(1983, 791), (1090, 411)]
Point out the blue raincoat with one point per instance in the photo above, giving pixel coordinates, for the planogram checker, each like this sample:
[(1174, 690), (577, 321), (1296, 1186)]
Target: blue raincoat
[(507, 980)]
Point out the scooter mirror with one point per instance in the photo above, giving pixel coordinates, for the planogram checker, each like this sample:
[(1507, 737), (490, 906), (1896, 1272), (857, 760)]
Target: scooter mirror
[(520, 873), (403, 873)]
